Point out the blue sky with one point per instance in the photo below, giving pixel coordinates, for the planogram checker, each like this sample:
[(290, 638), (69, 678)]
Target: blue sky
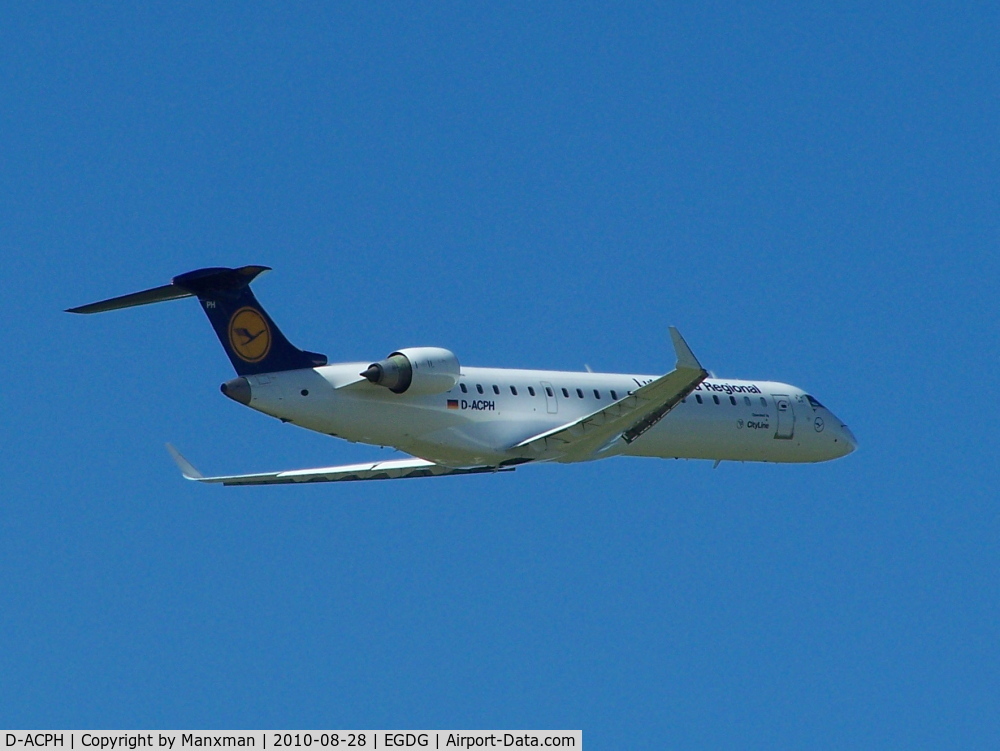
[(809, 192)]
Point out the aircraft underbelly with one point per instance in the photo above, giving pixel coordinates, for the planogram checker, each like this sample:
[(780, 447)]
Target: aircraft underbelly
[(419, 426), (728, 436), (473, 442)]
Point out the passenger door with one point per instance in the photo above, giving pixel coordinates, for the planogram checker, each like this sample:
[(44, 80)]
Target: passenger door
[(785, 416)]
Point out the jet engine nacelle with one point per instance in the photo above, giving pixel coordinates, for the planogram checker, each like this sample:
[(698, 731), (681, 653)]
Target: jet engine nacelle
[(416, 370)]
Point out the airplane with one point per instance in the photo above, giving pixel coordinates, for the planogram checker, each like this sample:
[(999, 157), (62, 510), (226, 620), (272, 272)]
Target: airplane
[(455, 420)]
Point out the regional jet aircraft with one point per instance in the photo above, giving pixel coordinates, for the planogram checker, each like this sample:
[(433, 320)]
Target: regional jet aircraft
[(455, 420)]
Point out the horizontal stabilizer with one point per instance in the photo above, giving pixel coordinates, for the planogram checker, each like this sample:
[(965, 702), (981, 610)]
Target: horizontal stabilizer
[(201, 282), (157, 294), (252, 340), (391, 470)]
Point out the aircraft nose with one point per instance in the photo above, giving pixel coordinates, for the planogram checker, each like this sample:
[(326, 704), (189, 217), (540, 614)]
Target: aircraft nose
[(847, 437), (238, 389)]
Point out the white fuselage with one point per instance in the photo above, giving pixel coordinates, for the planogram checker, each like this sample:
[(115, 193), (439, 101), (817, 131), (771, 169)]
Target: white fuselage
[(491, 410)]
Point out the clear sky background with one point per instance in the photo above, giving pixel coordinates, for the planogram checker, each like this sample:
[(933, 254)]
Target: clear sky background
[(809, 192)]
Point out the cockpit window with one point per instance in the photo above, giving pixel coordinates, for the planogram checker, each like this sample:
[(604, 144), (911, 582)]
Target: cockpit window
[(815, 404)]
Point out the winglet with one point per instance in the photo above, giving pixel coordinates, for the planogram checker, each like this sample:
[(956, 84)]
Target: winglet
[(685, 357), (187, 469)]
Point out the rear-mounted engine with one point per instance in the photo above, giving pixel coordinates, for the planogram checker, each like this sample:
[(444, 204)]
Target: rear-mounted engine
[(416, 370)]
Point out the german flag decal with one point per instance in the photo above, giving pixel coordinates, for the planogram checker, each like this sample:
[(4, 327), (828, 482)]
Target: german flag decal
[(453, 404)]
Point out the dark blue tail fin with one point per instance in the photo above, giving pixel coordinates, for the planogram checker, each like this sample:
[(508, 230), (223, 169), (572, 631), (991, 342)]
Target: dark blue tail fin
[(251, 339)]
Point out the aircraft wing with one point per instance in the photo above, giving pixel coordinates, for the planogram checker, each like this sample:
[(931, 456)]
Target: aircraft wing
[(627, 418), (391, 470)]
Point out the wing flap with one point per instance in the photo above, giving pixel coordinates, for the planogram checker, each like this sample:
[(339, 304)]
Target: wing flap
[(396, 469)]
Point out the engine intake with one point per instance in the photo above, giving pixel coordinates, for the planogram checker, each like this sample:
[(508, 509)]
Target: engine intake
[(417, 370)]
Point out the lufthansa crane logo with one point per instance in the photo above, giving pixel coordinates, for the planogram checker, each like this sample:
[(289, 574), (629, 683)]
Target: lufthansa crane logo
[(249, 335)]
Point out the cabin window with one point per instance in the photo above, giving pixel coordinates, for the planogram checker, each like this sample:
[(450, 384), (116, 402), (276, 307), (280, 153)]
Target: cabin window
[(479, 387), (531, 390), (763, 402), (683, 401), (579, 393), (746, 400), (548, 390), (614, 395), (496, 389), (716, 398), (732, 400), (597, 394), (513, 391), (698, 397), (464, 389), (566, 393)]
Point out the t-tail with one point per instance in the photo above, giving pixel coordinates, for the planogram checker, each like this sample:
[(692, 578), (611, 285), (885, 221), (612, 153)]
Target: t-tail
[(251, 339)]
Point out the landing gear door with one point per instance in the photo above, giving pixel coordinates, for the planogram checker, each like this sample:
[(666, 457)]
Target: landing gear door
[(785, 416)]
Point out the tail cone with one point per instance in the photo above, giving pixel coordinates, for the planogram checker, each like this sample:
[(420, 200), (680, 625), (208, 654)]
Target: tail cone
[(237, 389)]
